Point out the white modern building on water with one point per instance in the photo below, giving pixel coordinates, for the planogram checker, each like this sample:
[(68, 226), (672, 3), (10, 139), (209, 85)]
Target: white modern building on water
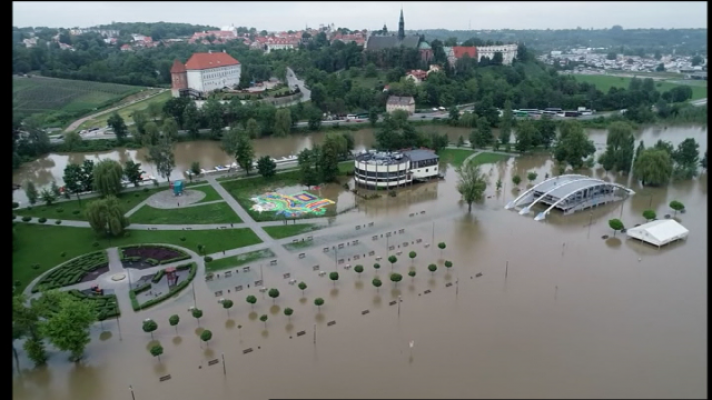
[(384, 170)]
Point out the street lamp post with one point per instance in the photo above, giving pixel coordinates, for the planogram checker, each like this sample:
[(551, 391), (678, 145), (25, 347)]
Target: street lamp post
[(133, 396)]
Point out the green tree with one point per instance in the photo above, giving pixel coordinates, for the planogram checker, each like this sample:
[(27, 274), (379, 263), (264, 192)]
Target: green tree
[(213, 111), (483, 136), (498, 184), (227, 305), (169, 128), (334, 276), (453, 115), (687, 157), (72, 141), (26, 323), (197, 314), (252, 128), (703, 161), (174, 320), (252, 300), (31, 192), (620, 146), (573, 145), (531, 176), (282, 122), (448, 264), (319, 302), (412, 273), (88, 175), (274, 294), (48, 196), (516, 179), (677, 206), (68, 328), (151, 134), (460, 141), (649, 215), (156, 351), (544, 131), (205, 336), (638, 151), (376, 283), (471, 183), (288, 312), (396, 277), (412, 255), (117, 124), (132, 170), (139, 119), (106, 217), (266, 167), (432, 268), (302, 286), (162, 156), (373, 116), (525, 136), (505, 126), (244, 153), (332, 149), (309, 166), (376, 266), (191, 120), (653, 167), (442, 247), (264, 318), (616, 225), (36, 351), (107, 178), (392, 260), (149, 326), (358, 269), (73, 180)]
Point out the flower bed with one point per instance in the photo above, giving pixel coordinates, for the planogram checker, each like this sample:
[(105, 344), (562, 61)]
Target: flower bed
[(103, 304), (73, 271), (146, 256), (193, 267)]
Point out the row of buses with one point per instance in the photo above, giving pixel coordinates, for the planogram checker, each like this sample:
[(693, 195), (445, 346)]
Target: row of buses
[(552, 112)]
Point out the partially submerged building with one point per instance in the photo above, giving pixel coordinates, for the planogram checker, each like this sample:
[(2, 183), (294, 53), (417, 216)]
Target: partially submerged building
[(380, 169), (569, 194), (659, 233)]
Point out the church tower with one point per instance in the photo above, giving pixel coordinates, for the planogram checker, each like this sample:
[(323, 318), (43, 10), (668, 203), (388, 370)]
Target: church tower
[(401, 27)]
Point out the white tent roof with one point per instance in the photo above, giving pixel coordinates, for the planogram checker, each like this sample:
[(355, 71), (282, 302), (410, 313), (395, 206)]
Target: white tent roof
[(659, 233)]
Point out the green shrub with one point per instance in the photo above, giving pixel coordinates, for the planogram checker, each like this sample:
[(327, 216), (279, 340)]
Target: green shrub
[(145, 190), (182, 238), (152, 261), (172, 292), (60, 210), (136, 195), (14, 216), (76, 212), (35, 266), (15, 205), (208, 259), (158, 276), (63, 254), (26, 219), (58, 222), (42, 220), (95, 244), (134, 301), (142, 288)]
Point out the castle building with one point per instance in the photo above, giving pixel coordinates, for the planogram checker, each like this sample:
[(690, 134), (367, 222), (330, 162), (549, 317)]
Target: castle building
[(204, 73), (379, 41)]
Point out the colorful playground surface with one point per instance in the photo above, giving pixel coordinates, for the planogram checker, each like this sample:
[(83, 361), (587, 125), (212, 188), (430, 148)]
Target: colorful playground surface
[(290, 206)]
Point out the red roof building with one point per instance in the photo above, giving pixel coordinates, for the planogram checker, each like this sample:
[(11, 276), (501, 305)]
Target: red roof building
[(209, 60), (460, 51)]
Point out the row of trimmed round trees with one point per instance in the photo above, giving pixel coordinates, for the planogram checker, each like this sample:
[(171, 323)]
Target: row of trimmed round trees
[(649, 215)]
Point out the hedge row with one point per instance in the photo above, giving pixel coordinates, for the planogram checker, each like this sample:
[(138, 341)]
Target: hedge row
[(157, 277), (103, 304), (72, 272), (183, 255), (193, 267)]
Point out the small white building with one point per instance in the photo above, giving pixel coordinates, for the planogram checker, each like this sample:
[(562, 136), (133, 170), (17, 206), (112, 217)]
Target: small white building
[(405, 103), (659, 232)]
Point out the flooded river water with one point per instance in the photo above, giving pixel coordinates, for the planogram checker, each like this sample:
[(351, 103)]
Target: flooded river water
[(557, 311)]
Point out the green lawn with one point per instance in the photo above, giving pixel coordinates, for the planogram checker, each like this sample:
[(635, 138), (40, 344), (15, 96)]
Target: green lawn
[(236, 261), (361, 80), (605, 82), (284, 231), (73, 209), (210, 193), (44, 244), (454, 156), (215, 213), (488, 158)]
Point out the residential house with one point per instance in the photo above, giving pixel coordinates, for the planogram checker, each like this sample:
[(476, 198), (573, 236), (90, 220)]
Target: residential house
[(417, 76), (31, 42), (405, 103)]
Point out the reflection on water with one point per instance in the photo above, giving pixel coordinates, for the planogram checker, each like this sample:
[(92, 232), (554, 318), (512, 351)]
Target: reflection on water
[(574, 315)]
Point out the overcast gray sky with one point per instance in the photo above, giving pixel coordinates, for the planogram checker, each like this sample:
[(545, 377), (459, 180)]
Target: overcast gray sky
[(277, 16)]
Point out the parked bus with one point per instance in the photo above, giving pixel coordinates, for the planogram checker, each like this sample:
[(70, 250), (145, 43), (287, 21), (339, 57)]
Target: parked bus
[(572, 114)]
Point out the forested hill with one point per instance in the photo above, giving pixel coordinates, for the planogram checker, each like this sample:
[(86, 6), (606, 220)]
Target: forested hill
[(684, 41), (158, 30)]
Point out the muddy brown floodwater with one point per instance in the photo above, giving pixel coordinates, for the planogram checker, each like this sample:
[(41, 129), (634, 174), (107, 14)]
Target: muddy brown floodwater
[(557, 311)]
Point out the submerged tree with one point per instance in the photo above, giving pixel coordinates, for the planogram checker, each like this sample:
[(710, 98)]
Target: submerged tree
[(471, 184), (68, 328), (106, 217), (616, 225)]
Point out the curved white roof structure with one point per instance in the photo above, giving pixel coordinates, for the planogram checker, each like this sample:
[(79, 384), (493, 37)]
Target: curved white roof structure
[(659, 233), (570, 193)]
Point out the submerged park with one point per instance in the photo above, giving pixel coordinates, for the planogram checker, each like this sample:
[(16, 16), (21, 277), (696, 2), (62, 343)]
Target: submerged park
[(230, 286)]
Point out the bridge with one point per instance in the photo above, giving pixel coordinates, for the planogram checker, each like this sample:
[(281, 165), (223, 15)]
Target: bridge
[(569, 193)]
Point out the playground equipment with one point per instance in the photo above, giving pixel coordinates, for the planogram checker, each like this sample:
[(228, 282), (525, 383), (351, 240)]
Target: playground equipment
[(171, 276)]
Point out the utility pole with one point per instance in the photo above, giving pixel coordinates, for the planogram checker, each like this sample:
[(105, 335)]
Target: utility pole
[(133, 396), (506, 269), (432, 241), (223, 360), (315, 334)]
